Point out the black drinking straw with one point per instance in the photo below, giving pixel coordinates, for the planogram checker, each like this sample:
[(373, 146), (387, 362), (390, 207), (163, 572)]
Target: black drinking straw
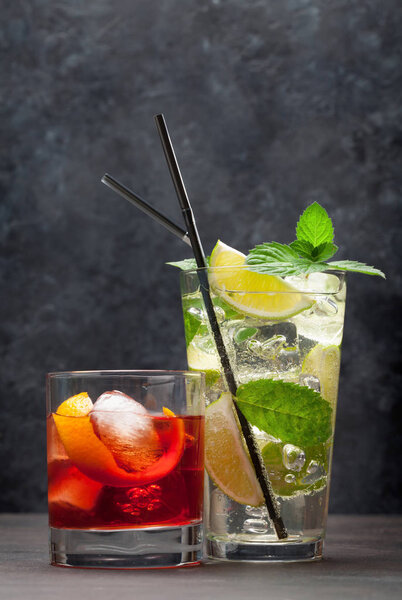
[(255, 454), (121, 189)]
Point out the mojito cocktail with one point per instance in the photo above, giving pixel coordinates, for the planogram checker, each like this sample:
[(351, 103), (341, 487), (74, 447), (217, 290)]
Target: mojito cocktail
[(283, 338), (280, 311), (125, 468)]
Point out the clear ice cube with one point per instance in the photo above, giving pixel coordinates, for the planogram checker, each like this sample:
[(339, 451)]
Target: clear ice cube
[(257, 350), (310, 381), (126, 428), (198, 313), (325, 306), (255, 526)]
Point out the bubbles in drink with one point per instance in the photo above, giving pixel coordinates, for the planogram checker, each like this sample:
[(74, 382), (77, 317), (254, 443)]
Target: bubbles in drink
[(256, 511), (293, 457), (312, 467)]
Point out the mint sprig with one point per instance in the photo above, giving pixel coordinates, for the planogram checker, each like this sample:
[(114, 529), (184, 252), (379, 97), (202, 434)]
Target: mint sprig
[(315, 226), (279, 259), (309, 253), (292, 413)]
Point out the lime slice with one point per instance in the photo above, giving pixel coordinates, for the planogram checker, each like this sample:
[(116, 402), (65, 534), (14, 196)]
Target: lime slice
[(324, 362), (250, 292), (202, 356), (226, 459)]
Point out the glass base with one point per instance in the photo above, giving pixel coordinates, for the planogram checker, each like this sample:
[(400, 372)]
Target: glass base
[(153, 547), (235, 550)]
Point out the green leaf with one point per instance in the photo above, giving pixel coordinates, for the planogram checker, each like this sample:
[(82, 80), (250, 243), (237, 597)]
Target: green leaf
[(188, 264), (303, 248), (279, 259), (292, 413), (315, 226), (316, 254), (324, 251), (355, 267), (244, 333), (191, 326)]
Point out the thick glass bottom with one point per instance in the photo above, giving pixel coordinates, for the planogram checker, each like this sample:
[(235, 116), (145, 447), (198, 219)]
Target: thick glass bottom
[(153, 547), (226, 549)]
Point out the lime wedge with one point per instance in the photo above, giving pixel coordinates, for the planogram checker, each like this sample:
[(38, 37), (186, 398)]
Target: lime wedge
[(226, 459), (250, 292), (324, 362), (202, 356)]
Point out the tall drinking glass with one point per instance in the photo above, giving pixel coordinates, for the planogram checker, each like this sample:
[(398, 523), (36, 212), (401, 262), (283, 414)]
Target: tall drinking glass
[(286, 365), (125, 468)]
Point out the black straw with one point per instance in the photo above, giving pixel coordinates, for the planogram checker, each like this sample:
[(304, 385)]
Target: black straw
[(121, 189), (255, 454)]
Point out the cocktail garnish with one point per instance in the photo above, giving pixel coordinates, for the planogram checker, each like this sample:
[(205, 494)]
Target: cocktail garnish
[(286, 411), (309, 253)]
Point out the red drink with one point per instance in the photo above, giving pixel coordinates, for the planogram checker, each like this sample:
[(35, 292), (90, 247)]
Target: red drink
[(167, 492), (125, 468)]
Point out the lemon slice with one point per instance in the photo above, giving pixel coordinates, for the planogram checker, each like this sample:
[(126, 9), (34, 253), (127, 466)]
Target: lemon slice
[(253, 294), (226, 459), (324, 362)]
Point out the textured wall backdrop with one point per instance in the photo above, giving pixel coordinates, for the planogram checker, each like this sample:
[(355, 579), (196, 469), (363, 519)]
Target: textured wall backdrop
[(271, 104)]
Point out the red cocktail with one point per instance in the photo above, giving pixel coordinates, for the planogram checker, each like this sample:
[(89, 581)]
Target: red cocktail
[(116, 465)]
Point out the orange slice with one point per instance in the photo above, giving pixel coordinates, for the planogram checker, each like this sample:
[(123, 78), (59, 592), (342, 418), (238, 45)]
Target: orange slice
[(93, 458)]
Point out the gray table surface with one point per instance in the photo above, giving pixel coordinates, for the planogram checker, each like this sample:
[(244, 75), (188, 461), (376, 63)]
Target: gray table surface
[(363, 559)]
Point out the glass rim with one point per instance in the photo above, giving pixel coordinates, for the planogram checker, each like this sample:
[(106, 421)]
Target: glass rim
[(340, 275), (133, 373)]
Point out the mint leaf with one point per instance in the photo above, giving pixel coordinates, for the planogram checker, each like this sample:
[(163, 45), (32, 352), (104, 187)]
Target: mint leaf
[(244, 334), (188, 264), (316, 254), (309, 253), (315, 226), (292, 413), (324, 251), (279, 259), (191, 326), (355, 267), (302, 247)]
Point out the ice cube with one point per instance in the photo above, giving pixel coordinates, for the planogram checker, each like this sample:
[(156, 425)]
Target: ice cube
[(285, 329), (255, 526), (198, 313), (220, 314), (325, 306), (269, 348), (126, 428), (258, 350), (310, 381)]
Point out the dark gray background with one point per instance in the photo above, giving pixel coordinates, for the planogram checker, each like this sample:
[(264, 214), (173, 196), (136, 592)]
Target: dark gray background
[(271, 104)]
